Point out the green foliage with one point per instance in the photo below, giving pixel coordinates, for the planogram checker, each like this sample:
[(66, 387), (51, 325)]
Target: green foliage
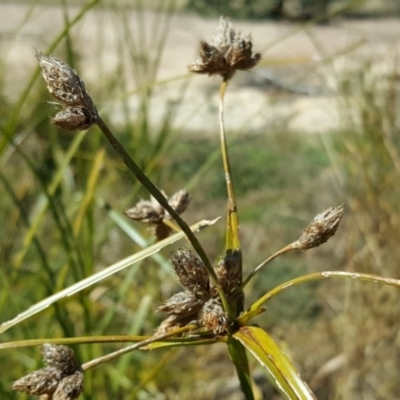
[(62, 192), (259, 161)]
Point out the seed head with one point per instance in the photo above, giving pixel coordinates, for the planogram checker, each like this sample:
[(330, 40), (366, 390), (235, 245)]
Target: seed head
[(179, 201), (42, 381), (70, 388), (191, 273), (214, 317), (62, 379), (228, 52), (182, 303), (229, 272), (321, 228), (64, 84), (146, 211), (59, 357), (74, 119), (152, 213)]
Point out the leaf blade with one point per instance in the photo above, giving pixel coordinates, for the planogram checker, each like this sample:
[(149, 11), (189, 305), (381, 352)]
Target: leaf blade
[(268, 353), (99, 276)]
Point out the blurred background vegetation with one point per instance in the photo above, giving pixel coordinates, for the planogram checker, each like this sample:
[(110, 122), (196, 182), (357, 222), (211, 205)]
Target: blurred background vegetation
[(63, 194)]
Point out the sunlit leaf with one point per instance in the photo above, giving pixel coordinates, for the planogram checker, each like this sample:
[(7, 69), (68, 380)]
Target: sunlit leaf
[(99, 276), (267, 352)]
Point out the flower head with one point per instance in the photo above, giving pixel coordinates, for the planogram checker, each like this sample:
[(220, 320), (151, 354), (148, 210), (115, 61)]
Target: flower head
[(61, 379), (63, 83), (200, 303), (152, 213), (228, 52), (321, 229)]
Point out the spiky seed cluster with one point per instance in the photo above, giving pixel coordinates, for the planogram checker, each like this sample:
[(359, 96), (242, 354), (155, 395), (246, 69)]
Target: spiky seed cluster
[(70, 387), (182, 304), (61, 379), (152, 213), (63, 83), (59, 357), (191, 273), (199, 302), (228, 52), (321, 228), (214, 317), (229, 272)]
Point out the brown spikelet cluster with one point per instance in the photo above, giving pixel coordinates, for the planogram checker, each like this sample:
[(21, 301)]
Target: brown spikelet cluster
[(199, 302), (321, 228), (229, 272), (228, 52), (152, 213), (214, 317), (63, 83), (61, 379)]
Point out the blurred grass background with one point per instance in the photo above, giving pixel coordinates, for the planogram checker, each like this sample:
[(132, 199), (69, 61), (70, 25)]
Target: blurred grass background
[(62, 192)]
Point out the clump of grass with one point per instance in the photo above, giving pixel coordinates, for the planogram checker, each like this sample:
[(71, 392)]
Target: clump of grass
[(366, 154), (211, 308)]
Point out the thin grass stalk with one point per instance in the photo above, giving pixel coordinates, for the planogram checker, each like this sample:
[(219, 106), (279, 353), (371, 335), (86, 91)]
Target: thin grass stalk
[(56, 181), (60, 218), (50, 282), (157, 369), (267, 261), (232, 229), (96, 277), (25, 220), (116, 354), (193, 340), (142, 178), (323, 275)]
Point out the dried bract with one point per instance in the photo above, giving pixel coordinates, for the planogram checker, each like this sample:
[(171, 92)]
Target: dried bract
[(191, 273), (229, 272), (179, 201), (74, 119), (214, 317), (321, 228), (182, 303), (64, 84), (151, 212), (42, 381), (70, 388), (173, 322), (228, 52)]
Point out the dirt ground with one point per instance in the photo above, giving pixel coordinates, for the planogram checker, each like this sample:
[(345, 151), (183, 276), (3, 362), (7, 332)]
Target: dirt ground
[(295, 85)]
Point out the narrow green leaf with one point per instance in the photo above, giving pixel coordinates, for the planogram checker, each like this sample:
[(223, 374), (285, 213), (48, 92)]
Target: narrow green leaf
[(38, 217), (323, 275), (99, 276), (90, 191), (239, 358), (267, 352)]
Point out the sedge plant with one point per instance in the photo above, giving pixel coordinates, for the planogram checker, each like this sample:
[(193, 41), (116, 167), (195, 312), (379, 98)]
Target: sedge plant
[(211, 308)]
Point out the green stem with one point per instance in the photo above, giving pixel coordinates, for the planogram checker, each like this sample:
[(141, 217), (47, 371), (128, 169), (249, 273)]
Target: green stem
[(125, 350), (239, 358), (323, 275), (232, 230), (145, 181), (265, 262)]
